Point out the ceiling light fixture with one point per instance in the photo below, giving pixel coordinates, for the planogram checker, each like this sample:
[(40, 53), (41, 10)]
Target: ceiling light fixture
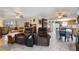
[(60, 15)]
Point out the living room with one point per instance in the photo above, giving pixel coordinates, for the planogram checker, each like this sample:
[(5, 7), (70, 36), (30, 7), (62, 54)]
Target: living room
[(39, 28)]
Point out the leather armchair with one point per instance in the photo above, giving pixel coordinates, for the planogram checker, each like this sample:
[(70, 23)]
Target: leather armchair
[(43, 41), (42, 32)]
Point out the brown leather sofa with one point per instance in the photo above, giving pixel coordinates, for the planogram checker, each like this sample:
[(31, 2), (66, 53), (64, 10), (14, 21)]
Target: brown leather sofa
[(20, 38), (24, 39)]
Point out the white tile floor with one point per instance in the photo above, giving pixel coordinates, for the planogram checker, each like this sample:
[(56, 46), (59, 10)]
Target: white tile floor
[(55, 45)]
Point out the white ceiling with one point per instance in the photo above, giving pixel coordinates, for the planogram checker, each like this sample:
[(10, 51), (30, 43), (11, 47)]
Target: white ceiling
[(10, 12)]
